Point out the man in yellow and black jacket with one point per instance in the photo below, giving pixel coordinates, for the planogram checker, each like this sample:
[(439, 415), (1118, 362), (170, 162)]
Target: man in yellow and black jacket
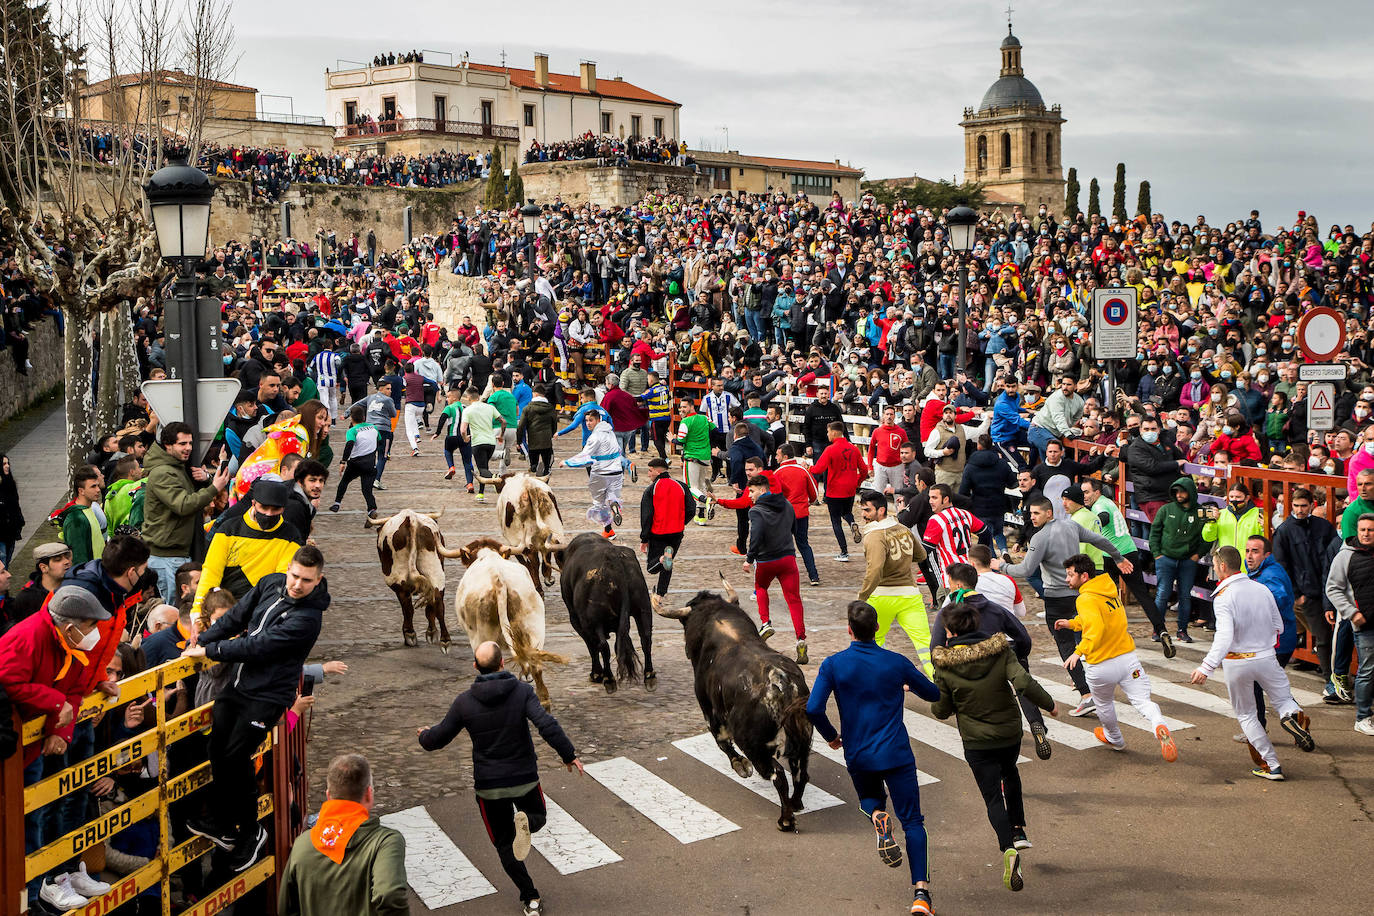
[(256, 544)]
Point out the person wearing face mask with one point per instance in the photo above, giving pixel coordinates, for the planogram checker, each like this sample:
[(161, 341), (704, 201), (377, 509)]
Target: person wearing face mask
[(1196, 392), (1237, 440), (1240, 520), (45, 663), (245, 549)]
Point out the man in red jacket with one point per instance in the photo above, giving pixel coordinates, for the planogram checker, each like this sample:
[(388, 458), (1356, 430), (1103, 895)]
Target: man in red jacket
[(797, 484), (844, 465), (934, 407), (884, 453), (664, 510), (43, 667)]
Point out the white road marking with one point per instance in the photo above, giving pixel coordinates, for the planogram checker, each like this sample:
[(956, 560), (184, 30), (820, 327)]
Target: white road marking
[(436, 868), (1306, 698), (683, 817), (942, 737), (1061, 732), (567, 845), (829, 753), (703, 747), (1125, 712)]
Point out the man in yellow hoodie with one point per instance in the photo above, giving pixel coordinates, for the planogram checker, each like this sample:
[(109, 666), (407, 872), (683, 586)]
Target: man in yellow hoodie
[(1107, 653)]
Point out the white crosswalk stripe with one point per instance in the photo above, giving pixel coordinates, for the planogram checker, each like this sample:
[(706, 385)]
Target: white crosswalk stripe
[(1061, 732), (436, 869), (1180, 665), (683, 817), (1159, 687), (837, 756), (567, 845), (703, 748), (943, 738), (1125, 713)]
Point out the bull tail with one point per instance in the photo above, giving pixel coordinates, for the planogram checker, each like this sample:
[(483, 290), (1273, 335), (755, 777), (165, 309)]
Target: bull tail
[(530, 657), (626, 658), (797, 727)]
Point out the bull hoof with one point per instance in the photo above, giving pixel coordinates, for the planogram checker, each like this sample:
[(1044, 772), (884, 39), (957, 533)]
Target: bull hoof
[(743, 768), (594, 678), (411, 640), (787, 826), (650, 682), (443, 647), (609, 684), (797, 804)]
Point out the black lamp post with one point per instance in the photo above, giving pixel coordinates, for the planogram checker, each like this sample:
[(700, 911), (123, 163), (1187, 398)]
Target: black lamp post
[(962, 222), (530, 213), (179, 197)]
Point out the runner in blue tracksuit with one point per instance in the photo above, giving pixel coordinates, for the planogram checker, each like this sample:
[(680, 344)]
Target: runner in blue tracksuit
[(581, 417), (867, 681)]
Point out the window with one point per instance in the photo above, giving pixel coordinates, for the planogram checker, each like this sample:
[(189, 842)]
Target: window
[(487, 117), (350, 112), (1033, 157), (1049, 149), (183, 103), (606, 120), (982, 152), (389, 108), (529, 115), (809, 184), (658, 128), (741, 173), (441, 108), (634, 125), (1006, 150)]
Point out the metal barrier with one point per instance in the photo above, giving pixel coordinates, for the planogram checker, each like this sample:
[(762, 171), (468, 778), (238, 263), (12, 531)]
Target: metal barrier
[(288, 765)]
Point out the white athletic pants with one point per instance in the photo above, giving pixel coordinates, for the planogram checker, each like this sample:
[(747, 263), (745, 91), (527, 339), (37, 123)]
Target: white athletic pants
[(884, 476), (699, 480), (1126, 672), (329, 394), (1241, 676), (415, 414), (604, 490), (507, 451)]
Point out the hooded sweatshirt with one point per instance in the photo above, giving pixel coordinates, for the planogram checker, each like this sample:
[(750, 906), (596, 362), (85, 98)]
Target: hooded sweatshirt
[(977, 675), (1101, 621), (1050, 546), (770, 529), (1177, 529), (889, 549)]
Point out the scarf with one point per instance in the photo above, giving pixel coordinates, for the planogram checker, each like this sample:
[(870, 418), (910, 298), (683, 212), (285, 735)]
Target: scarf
[(337, 823), (76, 654)]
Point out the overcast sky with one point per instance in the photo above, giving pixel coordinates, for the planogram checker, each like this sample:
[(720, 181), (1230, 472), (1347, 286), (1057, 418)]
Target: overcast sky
[(1223, 107)]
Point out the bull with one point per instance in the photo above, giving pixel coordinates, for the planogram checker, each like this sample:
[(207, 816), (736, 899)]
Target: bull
[(752, 697), (604, 590), (530, 521), (412, 551), (496, 600)]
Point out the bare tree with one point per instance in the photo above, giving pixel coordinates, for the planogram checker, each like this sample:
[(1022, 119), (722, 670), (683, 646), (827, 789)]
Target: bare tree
[(208, 59)]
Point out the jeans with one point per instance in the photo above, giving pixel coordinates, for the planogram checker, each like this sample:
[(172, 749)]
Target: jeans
[(1039, 437), (626, 440), (1364, 677), (456, 444), (384, 438), (802, 540), (1342, 648), (67, 813), (946, 365), (753, 323), (994, 527), (1169, 571), (1066, 640), (994, 769), (166, 569)]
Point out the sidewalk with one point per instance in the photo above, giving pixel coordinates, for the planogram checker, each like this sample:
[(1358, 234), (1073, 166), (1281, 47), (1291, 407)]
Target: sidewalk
[(39, 462)]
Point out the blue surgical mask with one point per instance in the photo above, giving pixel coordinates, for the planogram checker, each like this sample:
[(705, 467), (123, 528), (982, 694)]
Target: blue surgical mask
[(228, 360), (1225, 373), (1227, 431), (1151, 437), (1195, 376), (1168, 370)]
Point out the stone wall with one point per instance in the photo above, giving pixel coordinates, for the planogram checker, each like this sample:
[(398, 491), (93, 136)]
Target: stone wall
[(587, 183), (453, 298), (268, 134), (18, 391)]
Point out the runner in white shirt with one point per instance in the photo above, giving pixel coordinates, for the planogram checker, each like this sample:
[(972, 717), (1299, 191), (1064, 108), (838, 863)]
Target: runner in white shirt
[(998, 588)]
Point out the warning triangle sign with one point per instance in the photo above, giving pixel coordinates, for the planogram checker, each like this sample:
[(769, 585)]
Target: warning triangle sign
[(1321, 401)]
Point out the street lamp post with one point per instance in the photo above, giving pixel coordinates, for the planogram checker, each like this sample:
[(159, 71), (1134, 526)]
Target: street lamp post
[(179, 196), (530, 214), (962, 222)]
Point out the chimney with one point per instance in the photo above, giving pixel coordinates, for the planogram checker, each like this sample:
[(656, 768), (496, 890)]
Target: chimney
[(541, 69), (588, 68)]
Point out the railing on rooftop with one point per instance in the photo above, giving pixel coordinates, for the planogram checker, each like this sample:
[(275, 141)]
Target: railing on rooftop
[(428, 125), (283, 117)]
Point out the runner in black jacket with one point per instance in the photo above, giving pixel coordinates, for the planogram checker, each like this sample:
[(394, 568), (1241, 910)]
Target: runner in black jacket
[(505, 769)]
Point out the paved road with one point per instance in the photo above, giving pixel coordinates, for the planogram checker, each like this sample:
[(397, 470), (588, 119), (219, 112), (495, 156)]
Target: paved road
[(1113, 833)]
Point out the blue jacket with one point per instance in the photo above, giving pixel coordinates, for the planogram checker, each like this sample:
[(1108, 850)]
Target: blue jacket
[(1006, 419), (1272, 576), (580, 419), (741, 450), (523, 395), (867, 682)]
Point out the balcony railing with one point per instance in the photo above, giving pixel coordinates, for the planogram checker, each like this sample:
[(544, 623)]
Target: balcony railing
[(428, 125)]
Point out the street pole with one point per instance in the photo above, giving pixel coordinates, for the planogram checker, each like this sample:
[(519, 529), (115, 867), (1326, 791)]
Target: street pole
[(186, 309), (529, 254), (963, 316)]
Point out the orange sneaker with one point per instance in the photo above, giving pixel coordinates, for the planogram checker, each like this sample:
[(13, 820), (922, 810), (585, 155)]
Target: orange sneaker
[(451, 472), (736, 551), (1102, 736), (1166, 743)]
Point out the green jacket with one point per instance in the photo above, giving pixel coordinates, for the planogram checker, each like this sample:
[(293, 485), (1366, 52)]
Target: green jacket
[(1088, 522), (119, 499), (1230, 530), (172, 504), (371, 881), (1350, 518), (973, 674), (1177, 529), (537, 424), (81, 532)]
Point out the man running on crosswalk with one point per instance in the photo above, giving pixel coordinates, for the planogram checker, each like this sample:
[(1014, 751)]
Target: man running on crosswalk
[(1248, 625)]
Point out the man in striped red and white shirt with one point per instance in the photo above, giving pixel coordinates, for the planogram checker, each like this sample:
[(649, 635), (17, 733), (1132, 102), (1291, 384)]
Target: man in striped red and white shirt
[(950, 530)]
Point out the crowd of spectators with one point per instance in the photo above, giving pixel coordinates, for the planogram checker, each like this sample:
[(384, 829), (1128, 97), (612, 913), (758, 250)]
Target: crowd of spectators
[(405, 57), (609, 150)]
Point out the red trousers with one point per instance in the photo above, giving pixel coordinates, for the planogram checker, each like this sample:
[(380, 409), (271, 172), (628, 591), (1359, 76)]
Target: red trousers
[(784, 570)]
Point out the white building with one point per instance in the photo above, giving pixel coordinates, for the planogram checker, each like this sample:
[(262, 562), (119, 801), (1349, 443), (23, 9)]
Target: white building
[(473, 100)]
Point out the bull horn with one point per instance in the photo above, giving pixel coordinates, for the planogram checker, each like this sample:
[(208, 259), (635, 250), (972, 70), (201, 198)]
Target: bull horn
[(449, 552), (491, 481), (730, 594), (436, 515), (376, 522), (553, 545), (672, 613), (544, 478)]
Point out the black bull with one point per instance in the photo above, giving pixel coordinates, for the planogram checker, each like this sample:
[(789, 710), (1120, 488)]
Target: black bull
[(605, 591), (751, 696)]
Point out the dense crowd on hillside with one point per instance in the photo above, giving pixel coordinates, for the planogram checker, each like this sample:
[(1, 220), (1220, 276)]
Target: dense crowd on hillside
[(609, 150)]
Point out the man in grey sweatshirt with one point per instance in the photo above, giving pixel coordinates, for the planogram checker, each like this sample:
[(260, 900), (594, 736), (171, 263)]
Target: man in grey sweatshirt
[(1054, 541)]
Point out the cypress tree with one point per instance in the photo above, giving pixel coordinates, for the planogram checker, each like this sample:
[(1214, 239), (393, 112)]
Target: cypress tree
[(1071, 189), (1142, 201), (515, 187), (1119, 193), (496, 182), (1094, 199)]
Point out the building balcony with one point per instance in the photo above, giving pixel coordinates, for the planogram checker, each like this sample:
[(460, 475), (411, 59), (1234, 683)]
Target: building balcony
[(403, 126)]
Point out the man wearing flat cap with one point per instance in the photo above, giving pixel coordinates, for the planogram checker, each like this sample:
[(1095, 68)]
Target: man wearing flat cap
[(245, 549)]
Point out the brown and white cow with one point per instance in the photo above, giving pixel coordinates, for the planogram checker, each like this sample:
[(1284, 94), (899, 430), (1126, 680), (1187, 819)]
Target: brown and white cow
[(527, 512), (411, 549), (496, 600)]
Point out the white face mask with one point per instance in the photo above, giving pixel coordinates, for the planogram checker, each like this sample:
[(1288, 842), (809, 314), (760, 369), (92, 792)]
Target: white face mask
[(89, 641)]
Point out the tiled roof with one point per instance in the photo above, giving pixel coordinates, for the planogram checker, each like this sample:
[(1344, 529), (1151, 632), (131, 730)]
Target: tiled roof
[(164, 77), (572, 85), (806, 165)]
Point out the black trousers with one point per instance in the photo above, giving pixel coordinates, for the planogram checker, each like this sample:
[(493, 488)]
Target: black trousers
[(481, 456), (238, 726), (1066, 640), (541, 460), (1139, 590), (498, 814), (654, 553), (841, 509), (994, 769), (1028, 707), (742, 530), (363, 469)]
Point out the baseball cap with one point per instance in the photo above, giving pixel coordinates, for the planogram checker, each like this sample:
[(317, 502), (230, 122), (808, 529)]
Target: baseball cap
[(48, 551), (75, 601)]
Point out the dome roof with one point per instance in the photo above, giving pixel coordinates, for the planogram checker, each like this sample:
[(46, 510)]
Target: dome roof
[(1010, 91), (1011, 41)]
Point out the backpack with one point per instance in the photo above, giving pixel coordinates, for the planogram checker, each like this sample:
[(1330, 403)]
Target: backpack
[(135, 517)]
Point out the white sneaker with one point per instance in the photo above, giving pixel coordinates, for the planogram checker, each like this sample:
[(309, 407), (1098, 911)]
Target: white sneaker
[(59, 894), (1365, 726), (85, 885), (520, 846)]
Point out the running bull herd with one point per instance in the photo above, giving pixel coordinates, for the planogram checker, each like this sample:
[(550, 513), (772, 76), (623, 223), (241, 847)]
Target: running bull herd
[(753, 698)]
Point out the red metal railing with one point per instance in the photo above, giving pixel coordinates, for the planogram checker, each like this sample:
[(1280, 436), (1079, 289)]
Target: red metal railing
[(428, 125)]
